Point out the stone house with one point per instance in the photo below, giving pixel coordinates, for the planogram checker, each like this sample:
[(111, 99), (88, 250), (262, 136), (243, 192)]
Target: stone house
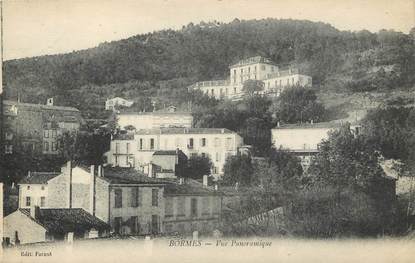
[(111, 104), (33, 189), (51, 224)]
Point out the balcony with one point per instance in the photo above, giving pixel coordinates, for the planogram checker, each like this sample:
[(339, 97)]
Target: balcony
[(211, 83)]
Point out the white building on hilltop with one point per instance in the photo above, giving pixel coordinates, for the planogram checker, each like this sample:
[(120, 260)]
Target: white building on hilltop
[(136, 150), (274, 77), (157, 119), (111, 104), (303, 139)]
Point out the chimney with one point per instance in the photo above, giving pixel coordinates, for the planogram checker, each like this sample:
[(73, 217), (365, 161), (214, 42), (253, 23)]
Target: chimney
[(92, 190), (205, 180), (34, 212), (69, 185)]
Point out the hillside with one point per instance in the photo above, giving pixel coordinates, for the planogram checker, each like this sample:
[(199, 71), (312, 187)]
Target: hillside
[(161, 64)]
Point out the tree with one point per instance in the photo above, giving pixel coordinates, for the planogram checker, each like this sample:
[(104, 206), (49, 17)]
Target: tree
[(298, 104), (198, 166), (251, 87), (84, 147), (347, 193), (238, 169)]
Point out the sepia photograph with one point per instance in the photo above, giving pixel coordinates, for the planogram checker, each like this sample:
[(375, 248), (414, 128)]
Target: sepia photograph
[(207, 131)]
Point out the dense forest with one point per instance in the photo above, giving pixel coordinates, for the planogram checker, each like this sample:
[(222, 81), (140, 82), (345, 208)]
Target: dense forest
[(161, 64)]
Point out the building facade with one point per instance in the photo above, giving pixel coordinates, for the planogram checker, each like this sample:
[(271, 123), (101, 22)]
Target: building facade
[(33, 189), (135, 150), (112, 104), (191, 207), (35, 127), (154, 120), (276, 79), (303, 139)]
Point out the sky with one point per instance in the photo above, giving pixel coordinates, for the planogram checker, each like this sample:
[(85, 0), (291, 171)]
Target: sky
[(40, 27)]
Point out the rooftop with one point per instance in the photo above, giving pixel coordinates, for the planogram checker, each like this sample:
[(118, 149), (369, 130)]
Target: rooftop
[(118, 175), (172, 152), (185, 131), (64, 220), (38, 177), (252, 60), (307, 125), (190, 187), (159, 112), (123, 136)]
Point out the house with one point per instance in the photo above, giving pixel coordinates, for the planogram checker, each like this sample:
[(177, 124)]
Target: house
[(35, 127), (191, 206), (33, 189), (136, 149), (275, 77), (124, 198), (152, 120), (51, 224), (303, 139), (112, 104), (166, 164)]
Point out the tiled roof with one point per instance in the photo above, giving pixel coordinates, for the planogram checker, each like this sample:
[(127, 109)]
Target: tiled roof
[(39, 106), (64, 220), (118, 175), (190, 187), (124, 136), (252, 60), (184, 131), (310, 126), (172, 152), (38, 177)]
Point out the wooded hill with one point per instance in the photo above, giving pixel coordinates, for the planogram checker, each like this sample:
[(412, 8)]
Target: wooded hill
[(161, 64)]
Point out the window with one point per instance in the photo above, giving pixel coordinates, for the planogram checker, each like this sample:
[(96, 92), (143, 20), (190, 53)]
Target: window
[(154, 224), (154, 197), (8, 149), (249, 69), (134, 225), (28, 187), (46, 133), (117, 147), (135, 197), (116, 160), (151, 144), (118, 198), (54, 133), (217, 142), (141, 143), (181, 202), (203, 142), (42, 201), (280, 82), (213, 92), (206, 205), (168, 207), (127, 147), (262, 67), (27, 200), (193, 207), (215, 170), (228, 143), (42, 188), (54, 146), (46, 146), (218, 157), (190, 143), (226, 91), (234, 90), (117, 224), (255, 68)]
